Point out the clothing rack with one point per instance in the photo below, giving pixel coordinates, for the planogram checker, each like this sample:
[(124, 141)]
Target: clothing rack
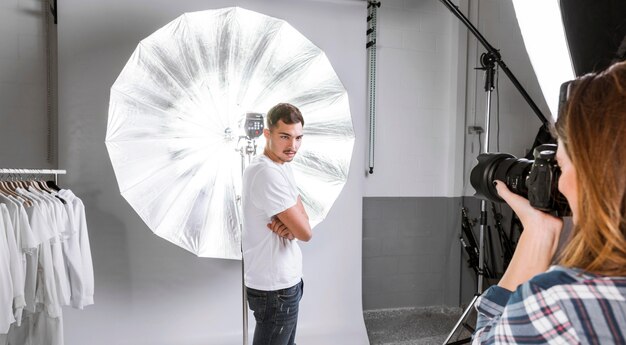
[(34, 172)]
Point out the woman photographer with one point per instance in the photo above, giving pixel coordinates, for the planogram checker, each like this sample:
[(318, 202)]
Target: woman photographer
[(583, 298)]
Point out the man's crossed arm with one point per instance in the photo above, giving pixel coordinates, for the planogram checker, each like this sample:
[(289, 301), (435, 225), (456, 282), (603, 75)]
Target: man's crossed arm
[(292, 223)]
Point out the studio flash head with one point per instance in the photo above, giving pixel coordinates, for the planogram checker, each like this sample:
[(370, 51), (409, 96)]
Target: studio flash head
[(253, 125), (536, 180)]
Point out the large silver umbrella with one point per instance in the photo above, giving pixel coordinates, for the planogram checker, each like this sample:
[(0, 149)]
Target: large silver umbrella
[(175, 123)]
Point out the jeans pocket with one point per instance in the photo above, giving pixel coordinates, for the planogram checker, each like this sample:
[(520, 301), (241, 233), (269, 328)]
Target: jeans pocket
[(290, 295)]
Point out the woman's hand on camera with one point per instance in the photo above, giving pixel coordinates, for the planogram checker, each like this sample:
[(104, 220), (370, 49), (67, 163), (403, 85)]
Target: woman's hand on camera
[(533, 219), (537, 244)]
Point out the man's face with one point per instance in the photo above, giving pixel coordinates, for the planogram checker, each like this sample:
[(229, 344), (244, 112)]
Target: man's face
[(283, 141)]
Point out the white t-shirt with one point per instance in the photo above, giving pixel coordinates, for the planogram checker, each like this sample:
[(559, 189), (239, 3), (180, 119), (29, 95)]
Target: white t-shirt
[(26, 245), (44, 284), (78, 252), (17, 268), (6, 284), (59, 224), (270, 261)]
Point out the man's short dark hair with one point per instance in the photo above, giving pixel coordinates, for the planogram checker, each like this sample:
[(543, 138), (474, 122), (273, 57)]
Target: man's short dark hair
[(286, 112)]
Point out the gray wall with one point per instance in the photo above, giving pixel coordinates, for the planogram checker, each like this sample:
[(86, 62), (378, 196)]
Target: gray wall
[(23, 88), (410, 252), (147, 290)]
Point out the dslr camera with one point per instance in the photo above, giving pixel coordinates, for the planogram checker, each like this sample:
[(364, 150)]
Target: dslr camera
[(536, 180)]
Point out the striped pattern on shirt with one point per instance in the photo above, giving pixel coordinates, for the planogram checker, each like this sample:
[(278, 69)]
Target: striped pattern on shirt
[(561, 306)]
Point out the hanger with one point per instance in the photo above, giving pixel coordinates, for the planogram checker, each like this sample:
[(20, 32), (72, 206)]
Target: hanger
[(5, 189), (43, 186), (46, 188), (33, 184), (14, 184), (53, 186)]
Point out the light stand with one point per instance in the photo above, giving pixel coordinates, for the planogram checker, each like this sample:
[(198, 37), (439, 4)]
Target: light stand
[(487, 62), (246, 152), (253, 127)]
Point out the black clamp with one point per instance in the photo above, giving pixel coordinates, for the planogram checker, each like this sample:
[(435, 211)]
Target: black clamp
[(373, 3), (372, 30), (53, 10)]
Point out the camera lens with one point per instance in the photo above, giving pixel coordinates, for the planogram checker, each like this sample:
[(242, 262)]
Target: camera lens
[(536, 180), (499, 166)]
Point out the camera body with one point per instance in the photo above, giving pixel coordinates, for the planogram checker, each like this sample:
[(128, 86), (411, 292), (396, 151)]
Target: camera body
[(536, 180)]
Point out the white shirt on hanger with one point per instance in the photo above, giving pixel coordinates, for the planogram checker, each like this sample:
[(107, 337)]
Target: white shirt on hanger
[(17, 269), (59, 223), (30, 251), (25, 244), (46, 291), (24, 234), (79, 248), (6, 284), (73, 259), (47, 241), (47, 330)]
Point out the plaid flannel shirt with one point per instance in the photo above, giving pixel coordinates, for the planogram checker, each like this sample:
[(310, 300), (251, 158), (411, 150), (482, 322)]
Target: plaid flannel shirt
[(561, 306)]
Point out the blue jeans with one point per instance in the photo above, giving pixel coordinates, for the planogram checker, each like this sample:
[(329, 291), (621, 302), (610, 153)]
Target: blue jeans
[(276, 314)]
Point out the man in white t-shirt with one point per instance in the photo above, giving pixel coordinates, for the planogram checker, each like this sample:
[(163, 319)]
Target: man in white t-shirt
[(273, 220)]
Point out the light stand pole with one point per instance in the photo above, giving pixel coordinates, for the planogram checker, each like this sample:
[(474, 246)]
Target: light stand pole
[(487, 62), (246, 153), (490, 58), (253, 127)]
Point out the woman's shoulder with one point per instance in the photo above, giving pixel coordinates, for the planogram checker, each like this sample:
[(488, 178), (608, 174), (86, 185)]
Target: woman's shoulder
[(559, 275), (566, 282), (564, 274), (574, 295)]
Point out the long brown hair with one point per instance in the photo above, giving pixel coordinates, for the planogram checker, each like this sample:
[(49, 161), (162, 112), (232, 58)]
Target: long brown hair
[(592, 128)]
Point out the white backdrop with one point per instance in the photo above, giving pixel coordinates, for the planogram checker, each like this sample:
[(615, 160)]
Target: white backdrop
[(149, 291)]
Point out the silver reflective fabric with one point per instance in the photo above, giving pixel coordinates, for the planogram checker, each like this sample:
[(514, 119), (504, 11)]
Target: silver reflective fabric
[(176, 113)]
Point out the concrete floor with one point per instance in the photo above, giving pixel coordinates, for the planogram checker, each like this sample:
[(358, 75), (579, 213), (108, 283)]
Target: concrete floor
[(413, 326)]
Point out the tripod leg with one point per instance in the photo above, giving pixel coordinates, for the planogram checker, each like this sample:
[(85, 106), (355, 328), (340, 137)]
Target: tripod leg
[(461, 321)]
